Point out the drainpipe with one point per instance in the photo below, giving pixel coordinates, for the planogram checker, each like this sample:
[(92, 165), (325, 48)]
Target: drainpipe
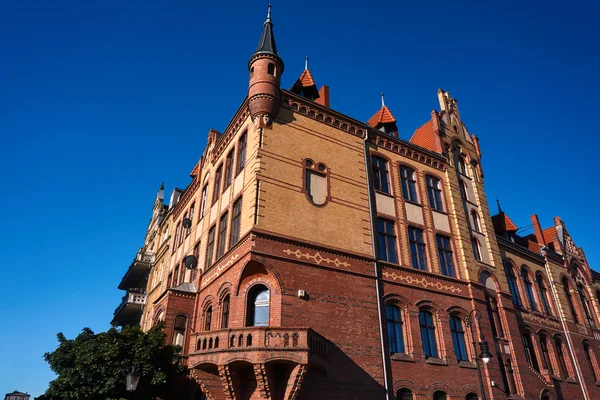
[(372, 207), (564, 325)]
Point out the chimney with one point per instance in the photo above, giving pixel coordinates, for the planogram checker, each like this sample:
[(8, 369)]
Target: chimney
[(323, 98), (537, 229)]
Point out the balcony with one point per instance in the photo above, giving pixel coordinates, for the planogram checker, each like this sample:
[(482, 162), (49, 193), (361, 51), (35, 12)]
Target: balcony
[(130, 310), (138, 271), (260, 344)]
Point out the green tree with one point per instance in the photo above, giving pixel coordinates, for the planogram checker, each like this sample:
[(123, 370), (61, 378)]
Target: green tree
[(94, 366)]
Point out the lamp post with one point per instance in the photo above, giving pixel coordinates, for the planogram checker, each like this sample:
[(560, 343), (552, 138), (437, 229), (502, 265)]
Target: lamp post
[(485, 354), (132, 379)]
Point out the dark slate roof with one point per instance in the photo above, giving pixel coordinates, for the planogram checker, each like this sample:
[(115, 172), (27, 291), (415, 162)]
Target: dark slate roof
[(267, 39)]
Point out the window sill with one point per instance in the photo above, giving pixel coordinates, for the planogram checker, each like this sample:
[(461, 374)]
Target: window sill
[(556, 378), (597, 383), (539, 314), (436, 361), (571, 380), (402, 357), (384, 193), (439, 211), (414, 203), (467, 364)]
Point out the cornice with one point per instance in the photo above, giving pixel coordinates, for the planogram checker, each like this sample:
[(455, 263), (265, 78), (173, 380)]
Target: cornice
[(236, 122), (520, 249), (185, 196), (408, 150)]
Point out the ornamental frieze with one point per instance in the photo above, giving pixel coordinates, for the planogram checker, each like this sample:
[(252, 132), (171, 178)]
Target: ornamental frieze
[(539, 320), (217, 271), (316, 257), (422, 281)]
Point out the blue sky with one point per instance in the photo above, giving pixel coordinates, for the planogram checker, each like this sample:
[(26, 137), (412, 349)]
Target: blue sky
[(100, 101)]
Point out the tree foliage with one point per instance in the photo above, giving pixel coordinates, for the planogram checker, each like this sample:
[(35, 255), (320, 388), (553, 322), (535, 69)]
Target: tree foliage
[(94, 366)]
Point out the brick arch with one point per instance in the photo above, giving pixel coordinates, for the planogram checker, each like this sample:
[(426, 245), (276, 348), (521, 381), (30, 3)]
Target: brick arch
[(396, 299), (429, 305), (492, 275), (470, 389), (434, 387), (208, 301), (262, 272), (225, 289), (457, 310), (157, 312), (403, 383)]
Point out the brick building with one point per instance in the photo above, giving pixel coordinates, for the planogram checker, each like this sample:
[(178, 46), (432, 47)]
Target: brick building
[(314, 256)]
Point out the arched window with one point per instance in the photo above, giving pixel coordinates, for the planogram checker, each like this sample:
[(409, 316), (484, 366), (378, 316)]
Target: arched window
[(591, 359), (381, 180), (476, 248), (434, 193), (530, 351), (394, 329), (271, 69), (544, 294), (404, 394), (565, 283), (428, 334), (208, 318), (409, 184), (586, 306), (225, 313), (258, 306), (440, 395), (463, 190), (546, 363), (179, 330), (471, 396), (529, 289), (475, 221), (560, 355), (458, 339), (512, 387), (315, 182), (462, 165), (512, 284)]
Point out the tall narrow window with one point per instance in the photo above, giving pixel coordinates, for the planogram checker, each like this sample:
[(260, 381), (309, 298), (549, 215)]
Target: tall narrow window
[(235, 221), (258, 310), (440, 395), (458, 339), (203, 202), (315, 182), (562, 363), (222, 245), (241, 156), (529, 289), (476, 248), (182, 274), (210, 247), (228, 170), (463, 190), (197, 255), (475, 221), (176, 276), (218, 177), (434, 192), (387, 240), (546, 363), (404, 394), (586, 306), (380, 174), (409, 184), (271, 69), (445, 255), (225, 313), (208, 318), (179, 330), (567, 289), (510, 373), (530, 351), (177, 234), (591, 362), (462, 166), (512, 284), (544, 295), (184, 231), (192, 210), (394, 327), (428, 334), (417, 248)]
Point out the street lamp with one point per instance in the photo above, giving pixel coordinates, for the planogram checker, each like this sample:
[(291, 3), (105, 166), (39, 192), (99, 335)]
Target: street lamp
[(132, 380), (485, 354)]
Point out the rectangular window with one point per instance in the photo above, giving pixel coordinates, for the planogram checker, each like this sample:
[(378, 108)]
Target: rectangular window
[(417, 248), (222, 235), (182, 276), (561, 358), (428, 334), (409, 184), (434, 192), (380, 174), (197, 255), (176, 276), (210, 247), (387, 240), (241, 157), (228, 170), (176, 239), (184, 231), (203, 201), (445, 255), (394, 326), (235, 221), (218, 176), (192, 210)]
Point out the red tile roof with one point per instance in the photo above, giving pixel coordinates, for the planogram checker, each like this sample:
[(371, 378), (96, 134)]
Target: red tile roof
[(306, 79), (503, 224), (549, 234), (533, 246), (195, 170), (425, 137), (383, 116)]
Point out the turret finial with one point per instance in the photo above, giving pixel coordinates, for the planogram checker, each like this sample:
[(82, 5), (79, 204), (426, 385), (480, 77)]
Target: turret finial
[(499, 207), (268, 14), (306, 63), (382, 101)]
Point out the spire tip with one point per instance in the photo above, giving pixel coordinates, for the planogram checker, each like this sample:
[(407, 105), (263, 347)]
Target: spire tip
[(306, 63), (382, 100)]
